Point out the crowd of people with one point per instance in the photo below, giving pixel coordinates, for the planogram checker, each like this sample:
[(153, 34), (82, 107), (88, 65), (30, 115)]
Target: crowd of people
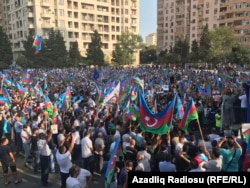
[(86, 130)]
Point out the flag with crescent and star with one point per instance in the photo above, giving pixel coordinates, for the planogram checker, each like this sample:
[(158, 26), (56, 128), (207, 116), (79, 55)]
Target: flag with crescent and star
[(157, 123)]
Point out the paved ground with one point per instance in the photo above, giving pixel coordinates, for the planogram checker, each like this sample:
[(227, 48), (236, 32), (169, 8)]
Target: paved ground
[(31, 180)]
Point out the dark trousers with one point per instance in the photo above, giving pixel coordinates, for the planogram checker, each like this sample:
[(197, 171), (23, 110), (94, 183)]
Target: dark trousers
[(19, 143), (243, 115), (88, 164), (64, 177), (45, 164), (6, 166), (98, 162), (76, 154)]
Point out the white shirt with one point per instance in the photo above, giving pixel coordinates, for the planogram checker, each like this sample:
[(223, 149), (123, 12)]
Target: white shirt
[(82, 177), (86, 145), (77, 138), (43, 147), (25, 134), (64, 161), (73, 183), (243, 99)]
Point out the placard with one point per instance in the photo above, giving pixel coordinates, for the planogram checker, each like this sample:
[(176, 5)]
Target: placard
[(54, 129)]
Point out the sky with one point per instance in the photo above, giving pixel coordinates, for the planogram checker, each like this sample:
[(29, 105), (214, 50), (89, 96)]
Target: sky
[(148, 17)]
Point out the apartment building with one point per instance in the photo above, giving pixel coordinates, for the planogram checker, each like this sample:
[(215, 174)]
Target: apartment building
[(1, 14), (75, 19), (185, 19), (151, 39)]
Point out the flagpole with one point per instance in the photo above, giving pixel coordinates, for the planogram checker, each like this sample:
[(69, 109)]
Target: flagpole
[(173, 113), (202, 138)]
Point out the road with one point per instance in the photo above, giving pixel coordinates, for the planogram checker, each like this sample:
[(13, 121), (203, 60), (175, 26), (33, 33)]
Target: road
[(31, 180)]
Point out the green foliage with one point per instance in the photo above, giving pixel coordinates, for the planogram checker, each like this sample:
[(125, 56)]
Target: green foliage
[(194, 56), (74, 54), (240, 55), (182, 49), (148, 55), (205, 44), (55, 49), (125, 48), (29, 52), (6, 55), (24, 62), (118, 56), (95, 55), (222, 41)]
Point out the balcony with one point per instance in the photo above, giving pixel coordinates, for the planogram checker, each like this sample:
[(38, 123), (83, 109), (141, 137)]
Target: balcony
[(30, 15), (47, 25), (133, 7), (45, 3), (30, 3), (133, 16), (31, 26), (46, 15)]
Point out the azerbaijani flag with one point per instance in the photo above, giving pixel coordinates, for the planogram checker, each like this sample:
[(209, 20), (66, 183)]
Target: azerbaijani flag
[(21, 89), (3, 100), (117, 151), (189, 115), (37, 44), (179, 107), (158, 123)]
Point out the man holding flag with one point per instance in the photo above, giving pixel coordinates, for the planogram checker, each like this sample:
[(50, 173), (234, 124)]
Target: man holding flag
[(109, 167)]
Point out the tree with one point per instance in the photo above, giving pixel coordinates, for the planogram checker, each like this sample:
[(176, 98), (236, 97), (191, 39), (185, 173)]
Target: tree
[(240, 55), (194, 51), (55, 50), (95, 55), (182, 48), (6, 54), (128, 43), (29, 58), (74, 54), (222, 41), (148, 55), (204, 51), (118, 56)]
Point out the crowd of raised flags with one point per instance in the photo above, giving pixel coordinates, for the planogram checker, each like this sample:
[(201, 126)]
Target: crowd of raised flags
[(127, 88)]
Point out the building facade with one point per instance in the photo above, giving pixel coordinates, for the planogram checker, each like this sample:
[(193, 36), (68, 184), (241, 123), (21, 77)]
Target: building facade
[(151, 39), (185, 19), (75, 19)]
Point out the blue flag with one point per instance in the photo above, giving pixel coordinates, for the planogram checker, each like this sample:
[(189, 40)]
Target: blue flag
[(96, 74)]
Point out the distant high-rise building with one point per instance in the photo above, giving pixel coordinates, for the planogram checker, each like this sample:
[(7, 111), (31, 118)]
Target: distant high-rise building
[(151, 39), (75, 19), (1, 14), (185, 19)]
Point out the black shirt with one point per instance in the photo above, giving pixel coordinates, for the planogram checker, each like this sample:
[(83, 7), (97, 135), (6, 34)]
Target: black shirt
[(34, 140), (4, 154)]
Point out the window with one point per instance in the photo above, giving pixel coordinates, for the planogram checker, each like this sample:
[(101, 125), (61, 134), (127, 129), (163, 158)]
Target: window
[(60, 12), (61, 23), (61, 2)]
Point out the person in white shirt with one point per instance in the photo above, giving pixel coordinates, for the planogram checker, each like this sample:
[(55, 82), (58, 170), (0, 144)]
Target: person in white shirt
[(84, 178), (26, 138), (45, 153), (63, 157), (76, 154), (87, 151), (72, 181), (142, 164), (243, 107)]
